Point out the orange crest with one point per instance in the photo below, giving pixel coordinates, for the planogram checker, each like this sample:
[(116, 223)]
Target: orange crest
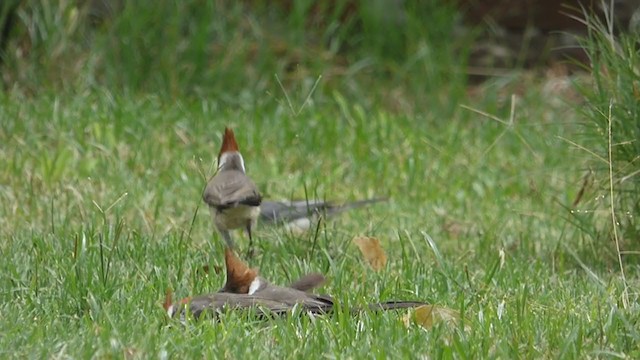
[(167, 300), (228, 142), (239, 275)]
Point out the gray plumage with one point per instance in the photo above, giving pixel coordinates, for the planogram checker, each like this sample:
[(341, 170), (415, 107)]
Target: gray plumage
[(274, 301), (230, 188), (299, 214), (233, 199), (268, 299), (284, 211)]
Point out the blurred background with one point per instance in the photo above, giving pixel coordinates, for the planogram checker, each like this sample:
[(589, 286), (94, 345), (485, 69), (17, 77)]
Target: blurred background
[(399, 88), (230, 50)]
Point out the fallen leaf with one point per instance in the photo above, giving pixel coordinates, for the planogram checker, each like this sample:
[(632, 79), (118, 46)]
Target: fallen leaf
[(372, 251), (429, 315)]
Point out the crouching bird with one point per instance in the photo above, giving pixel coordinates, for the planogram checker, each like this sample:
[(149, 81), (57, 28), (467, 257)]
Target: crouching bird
[(232, 197), (245, 289)]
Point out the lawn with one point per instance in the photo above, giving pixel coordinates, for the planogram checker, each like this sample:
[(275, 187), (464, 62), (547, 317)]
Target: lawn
[(101, 212)]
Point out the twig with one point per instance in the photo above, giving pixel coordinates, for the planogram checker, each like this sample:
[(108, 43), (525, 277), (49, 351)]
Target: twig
[(625, 292)]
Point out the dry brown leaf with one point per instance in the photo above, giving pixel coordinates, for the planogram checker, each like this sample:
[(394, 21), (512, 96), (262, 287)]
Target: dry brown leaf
[(372, 251), (429, 315)]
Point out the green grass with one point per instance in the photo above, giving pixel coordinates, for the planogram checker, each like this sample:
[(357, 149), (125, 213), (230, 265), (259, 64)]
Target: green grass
[(101, 212), (109, 132), (610, 134), (231, 51)]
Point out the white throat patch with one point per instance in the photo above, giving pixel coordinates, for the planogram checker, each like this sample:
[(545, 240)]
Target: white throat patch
[(229, 157), (256, 284)]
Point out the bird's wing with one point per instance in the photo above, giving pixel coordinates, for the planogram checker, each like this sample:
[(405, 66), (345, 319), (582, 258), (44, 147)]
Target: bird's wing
[(278, 211), (265, 303), (274, 301), (229, 188)]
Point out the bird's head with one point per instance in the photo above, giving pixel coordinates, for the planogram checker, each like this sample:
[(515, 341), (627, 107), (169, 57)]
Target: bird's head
[(229, 157)]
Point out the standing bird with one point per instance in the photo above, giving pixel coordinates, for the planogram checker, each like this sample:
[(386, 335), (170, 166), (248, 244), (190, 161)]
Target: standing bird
[(233, 199)]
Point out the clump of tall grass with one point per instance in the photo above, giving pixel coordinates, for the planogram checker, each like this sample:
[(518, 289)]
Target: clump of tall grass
[(611, 141)]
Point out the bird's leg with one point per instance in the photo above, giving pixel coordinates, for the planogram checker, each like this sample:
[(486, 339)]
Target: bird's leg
[(250, 249), (226, 235)]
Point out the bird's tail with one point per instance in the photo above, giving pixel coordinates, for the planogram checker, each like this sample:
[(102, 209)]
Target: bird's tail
[(394, 305), (354, 204)]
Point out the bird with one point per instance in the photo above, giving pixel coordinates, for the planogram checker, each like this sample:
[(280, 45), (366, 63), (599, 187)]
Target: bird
[(245, 289), (233, 198), (244, 280), (298, 215)]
